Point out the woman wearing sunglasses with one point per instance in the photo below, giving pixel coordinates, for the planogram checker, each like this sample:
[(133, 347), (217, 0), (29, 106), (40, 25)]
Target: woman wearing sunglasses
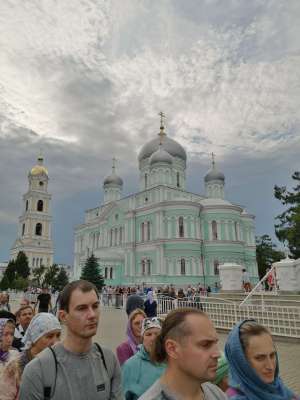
[(139, 372)]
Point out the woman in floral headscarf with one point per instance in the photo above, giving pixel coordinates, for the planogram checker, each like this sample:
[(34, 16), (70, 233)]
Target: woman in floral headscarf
[(43, 331), (7, 353)]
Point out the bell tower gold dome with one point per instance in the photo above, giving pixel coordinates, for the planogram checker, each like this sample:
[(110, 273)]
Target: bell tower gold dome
[(39, 168)]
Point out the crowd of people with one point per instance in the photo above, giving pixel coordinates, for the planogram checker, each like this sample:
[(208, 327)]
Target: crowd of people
[(174, 358)]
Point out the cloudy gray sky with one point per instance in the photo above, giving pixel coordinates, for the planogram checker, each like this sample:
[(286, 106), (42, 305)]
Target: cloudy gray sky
[(85, 79)]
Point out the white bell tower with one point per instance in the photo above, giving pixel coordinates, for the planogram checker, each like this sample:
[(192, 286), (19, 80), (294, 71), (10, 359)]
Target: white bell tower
[(34, 231)]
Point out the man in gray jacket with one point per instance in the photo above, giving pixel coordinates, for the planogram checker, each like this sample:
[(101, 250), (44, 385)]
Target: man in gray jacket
[(76, 368), (188, 344)]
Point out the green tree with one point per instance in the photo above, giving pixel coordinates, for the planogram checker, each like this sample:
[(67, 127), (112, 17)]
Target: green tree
[(266, 254), (20, 283), (50, 275), (10, 272), (288, 228), (22, 267), (91, 272), (4, 284), (38, 274), (61, 280)]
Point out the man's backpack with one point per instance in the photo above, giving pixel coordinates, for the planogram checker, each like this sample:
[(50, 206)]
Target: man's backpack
[(50, 374)]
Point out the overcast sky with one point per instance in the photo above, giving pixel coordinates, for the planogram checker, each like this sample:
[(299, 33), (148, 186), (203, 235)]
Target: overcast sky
[(84, 81)]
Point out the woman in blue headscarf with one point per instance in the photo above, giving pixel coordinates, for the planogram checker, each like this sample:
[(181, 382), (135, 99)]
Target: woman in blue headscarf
[(253, 365)]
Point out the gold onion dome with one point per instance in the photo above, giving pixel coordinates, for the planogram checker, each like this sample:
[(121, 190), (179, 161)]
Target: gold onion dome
[(39, 168)]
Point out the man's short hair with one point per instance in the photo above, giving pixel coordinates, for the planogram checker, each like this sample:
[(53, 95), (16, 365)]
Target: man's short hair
[(174, 327), (81, 284), (18, 313)]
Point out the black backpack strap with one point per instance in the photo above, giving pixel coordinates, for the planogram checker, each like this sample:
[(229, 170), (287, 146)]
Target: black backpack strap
[(49, 390), (102, 355)]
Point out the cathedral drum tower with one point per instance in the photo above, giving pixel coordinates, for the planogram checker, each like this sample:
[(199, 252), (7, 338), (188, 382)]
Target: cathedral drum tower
[(34, 231)]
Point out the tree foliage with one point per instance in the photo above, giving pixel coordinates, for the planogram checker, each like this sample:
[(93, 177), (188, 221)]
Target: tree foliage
[(4, 284), (91, 272), (288, 228), (61, 280), (10, 272), (38, 274), (50, 275), (22, 265), (20, 283), (266, 254)]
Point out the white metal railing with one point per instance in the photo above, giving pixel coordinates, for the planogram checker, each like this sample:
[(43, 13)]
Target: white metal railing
[(281, 320), (259, 284)]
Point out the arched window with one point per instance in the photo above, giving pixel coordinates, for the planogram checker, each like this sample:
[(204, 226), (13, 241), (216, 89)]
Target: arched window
[(181, 227), (23, 229), (146, 181), (111, 273), (214, 230), (41, 261), (40, 205), (105, 273), (148, 230), (33, 261), (38, 229), (143, 231), (26, 205), (177, 179), (143, 267), (216, 267), (149, 267), (182, 266)]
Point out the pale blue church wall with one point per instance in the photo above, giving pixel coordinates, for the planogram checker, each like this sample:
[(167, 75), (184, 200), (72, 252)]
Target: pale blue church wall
[(118, 277)]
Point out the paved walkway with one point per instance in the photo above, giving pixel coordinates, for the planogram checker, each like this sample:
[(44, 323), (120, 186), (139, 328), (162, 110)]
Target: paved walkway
[(112, 332)]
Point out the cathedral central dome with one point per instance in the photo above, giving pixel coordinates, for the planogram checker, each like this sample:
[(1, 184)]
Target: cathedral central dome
[(161, 156), (170, 146)]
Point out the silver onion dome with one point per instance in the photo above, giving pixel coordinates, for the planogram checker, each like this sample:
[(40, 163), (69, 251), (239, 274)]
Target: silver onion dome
[(170, 146), (214, 174), (161, 156), (113, 178)]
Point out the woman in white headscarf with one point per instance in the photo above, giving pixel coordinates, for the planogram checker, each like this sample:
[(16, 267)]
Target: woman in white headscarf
[(43, 331)]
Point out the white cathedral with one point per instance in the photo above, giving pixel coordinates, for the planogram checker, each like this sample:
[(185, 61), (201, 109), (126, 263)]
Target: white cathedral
[(34, 229)]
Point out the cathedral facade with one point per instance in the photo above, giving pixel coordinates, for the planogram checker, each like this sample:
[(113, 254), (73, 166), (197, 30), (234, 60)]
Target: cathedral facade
[(34, 229), (164, 234)]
